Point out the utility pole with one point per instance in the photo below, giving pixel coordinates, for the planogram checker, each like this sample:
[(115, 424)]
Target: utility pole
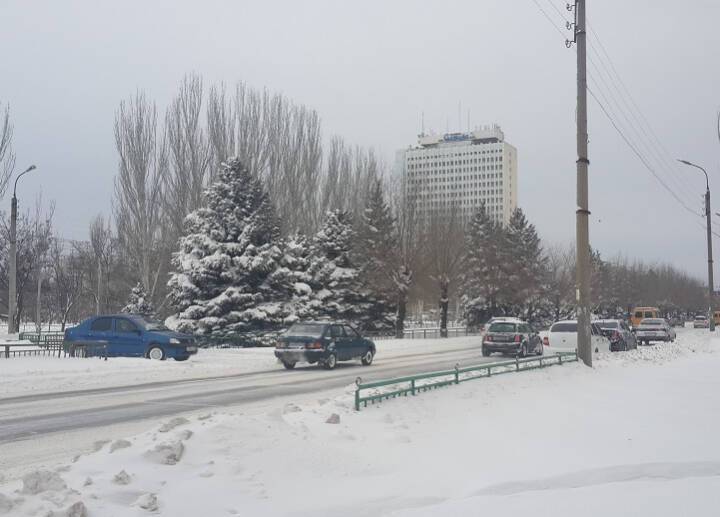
[(582, 214), (711, 293), (12, 287)]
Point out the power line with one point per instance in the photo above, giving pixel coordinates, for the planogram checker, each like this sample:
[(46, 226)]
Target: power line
[(612, 120)]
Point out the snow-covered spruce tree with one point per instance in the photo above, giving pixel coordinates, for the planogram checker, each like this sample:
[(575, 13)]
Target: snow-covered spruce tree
[(527, 267), (377, 250), (342, 293), (223, 283), (483, 277), (139, 303)]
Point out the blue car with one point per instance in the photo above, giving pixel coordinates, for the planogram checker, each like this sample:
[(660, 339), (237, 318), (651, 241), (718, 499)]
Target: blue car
[(129, 335)]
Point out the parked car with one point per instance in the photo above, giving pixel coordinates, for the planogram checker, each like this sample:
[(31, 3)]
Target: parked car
[(129, 335), (654, 329), (323, 343), (511, 337), (677, 321), (562, 337), (620, 336), (701, 322), (640, 313)]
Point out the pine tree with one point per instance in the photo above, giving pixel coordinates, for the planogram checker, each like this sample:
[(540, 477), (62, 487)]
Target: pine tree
[(526, 266), (484, 274), (341, 291), (377, 252), (139, 303), (223, 283)]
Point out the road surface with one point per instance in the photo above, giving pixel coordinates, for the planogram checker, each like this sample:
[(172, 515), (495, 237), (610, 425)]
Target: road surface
[(31, 416)]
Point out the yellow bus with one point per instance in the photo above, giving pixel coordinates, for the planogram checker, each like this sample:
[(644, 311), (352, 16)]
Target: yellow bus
[(640, 313)]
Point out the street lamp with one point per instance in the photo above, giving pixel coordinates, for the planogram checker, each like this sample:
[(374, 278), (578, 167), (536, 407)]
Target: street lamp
[(12, 291), (711, 318)]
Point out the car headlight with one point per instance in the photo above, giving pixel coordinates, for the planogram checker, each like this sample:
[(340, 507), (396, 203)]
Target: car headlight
[(174, 341)]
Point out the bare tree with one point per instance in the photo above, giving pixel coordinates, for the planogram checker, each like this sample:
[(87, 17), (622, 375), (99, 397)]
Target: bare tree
[(138, 189), (188, 152), (444, 241), (33, 237), (67, 280), (101, 243), (7, 156)]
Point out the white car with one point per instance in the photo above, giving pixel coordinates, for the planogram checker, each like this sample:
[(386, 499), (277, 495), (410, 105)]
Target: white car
[(701, 322), (562, 337), (654, 329)]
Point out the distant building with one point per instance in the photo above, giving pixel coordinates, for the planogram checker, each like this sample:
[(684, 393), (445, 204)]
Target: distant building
[(461, 171)]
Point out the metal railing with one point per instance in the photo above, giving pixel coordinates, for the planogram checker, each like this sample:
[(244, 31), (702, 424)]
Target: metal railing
[(414, 384), (50, 338), (425, 333), (89, 349)]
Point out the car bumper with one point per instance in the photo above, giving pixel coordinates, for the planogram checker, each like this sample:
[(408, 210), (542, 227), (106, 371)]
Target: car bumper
[(652, 336), (502, 347), (300, 355)]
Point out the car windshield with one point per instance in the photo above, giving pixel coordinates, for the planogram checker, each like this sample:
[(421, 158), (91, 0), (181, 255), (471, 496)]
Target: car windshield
[(564, 327), (647, 322), (502, 326), (608, 324), (305, 330), (154, 325)]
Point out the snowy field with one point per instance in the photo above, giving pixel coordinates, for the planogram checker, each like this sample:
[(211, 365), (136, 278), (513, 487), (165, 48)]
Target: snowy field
[(636, 435), (36, 375)]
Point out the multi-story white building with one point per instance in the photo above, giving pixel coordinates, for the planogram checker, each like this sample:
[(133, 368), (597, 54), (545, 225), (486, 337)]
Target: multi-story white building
[(459, 172)]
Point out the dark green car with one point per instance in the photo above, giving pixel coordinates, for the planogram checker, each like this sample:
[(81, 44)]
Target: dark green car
[(323, 343)]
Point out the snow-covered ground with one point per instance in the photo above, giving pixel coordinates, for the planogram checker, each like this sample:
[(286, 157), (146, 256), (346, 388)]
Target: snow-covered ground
[(636, 435), (35, 375)]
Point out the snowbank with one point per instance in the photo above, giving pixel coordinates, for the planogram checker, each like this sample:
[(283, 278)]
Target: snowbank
[(634, 436)]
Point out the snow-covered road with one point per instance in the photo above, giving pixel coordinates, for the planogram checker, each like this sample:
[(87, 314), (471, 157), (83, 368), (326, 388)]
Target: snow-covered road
[(636, 435)]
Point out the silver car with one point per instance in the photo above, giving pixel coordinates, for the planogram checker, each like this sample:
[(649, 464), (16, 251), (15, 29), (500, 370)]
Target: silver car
[(654, 329)]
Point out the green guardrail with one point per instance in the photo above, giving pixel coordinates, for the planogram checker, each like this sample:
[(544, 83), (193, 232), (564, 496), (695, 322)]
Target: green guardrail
[(414, 384)]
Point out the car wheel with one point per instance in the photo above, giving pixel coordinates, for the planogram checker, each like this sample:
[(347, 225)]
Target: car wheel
[(331, 361), (523, 351), (367, 359), (485, 352), (289, 365), (541, 351), (183, 358), (156, 353)]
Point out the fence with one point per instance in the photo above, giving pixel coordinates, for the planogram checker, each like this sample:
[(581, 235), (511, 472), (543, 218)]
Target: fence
[(413, 384), (425, 333), (51, 338), (80, 349)]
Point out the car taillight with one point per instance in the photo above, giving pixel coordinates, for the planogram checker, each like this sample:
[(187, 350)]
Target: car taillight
[(616, 335), (518, 338), (314, 346), (488, 339), (279, 344), (546, 341)]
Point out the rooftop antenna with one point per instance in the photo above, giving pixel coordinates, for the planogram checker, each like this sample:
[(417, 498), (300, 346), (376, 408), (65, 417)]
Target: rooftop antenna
[(422, 123), (468, 119), (459, 117)]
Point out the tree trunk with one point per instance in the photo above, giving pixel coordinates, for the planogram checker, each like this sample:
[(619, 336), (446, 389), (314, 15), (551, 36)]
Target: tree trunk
[(401, 314), (444, 302)]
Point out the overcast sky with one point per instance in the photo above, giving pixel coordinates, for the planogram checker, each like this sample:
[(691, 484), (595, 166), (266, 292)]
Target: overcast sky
[(370, 69)]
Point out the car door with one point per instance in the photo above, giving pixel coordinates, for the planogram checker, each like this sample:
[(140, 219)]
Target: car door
[(342, 348), (355, 342), (101, 330), (128, 338)]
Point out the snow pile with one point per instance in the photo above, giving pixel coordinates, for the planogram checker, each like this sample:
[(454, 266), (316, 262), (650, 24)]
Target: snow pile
[(633, 436)]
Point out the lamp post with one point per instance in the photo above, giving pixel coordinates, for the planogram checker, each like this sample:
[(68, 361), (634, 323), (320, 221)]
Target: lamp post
[(12, 291), (711, 318)]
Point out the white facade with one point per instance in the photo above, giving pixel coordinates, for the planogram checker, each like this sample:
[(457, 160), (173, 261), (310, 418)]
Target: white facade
[(461, 171)]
